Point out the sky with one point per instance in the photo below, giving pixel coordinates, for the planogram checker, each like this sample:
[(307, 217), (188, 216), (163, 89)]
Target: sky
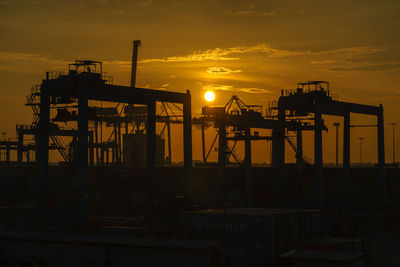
[(249, 48)]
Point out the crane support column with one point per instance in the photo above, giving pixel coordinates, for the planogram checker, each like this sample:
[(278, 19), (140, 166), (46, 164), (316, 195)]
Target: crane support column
[(8, 154), (20, 147), (169, 142), (319, 180), (187, 143), (247, 165), (222, 147), (346, 161), (91, 148), (119, 143), (203, 141), (115, 149), (96, 136), (299, 155), (36, 152), (381, 161), (278, 157), (82, 155), (151, 159), (43, 158), (113, 153)]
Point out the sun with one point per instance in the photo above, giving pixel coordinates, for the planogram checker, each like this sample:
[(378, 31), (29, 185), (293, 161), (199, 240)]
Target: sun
[(209, 96)]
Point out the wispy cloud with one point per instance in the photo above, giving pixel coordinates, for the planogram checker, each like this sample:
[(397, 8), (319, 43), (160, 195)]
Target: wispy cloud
[(221, 87), (251, 10), (242, 13), (121, 63), (219, 54), (221, 70), (21, 56), (3, 67), (18, 56), (207, 55), (364, 66), (145, 3), (318, 62)]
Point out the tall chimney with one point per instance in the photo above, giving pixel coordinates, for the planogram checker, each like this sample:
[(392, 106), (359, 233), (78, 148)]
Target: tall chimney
[(136, 44)]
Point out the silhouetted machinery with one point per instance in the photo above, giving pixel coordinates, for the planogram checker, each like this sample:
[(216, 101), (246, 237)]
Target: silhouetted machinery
[(134, 144), (76, 99), (104, 148), (236, 121), (313, 98)]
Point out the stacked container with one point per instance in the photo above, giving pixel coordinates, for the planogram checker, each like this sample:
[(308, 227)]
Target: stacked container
[(253, 236)]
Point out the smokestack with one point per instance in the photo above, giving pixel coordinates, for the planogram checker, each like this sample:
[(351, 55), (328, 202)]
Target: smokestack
[(136, 44)]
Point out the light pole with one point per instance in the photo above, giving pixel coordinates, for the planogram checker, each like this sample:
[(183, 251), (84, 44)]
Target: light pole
[(337, 124), (394, 156), (361, 139)]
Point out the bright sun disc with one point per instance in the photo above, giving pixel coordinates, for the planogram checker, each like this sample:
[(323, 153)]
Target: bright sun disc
[(209, 96)]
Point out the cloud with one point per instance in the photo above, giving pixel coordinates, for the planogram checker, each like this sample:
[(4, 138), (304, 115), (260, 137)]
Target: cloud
[(28, 62), (322, 62), (17, 56), (221, 70), (3, 67), (251, 10), (364, 66), (162, 87), (220, 54), (21, 56), (145, 3), (238, 12), (232, 88), (120, 63), (207, 55), (242, 13)]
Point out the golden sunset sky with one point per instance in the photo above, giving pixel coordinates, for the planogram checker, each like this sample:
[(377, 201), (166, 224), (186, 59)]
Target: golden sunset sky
[(252, 49)]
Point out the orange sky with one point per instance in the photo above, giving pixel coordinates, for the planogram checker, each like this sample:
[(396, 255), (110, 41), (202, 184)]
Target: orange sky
[(249, 48)]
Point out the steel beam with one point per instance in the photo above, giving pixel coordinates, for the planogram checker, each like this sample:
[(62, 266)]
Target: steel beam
[(346, 107), (115, 93)]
